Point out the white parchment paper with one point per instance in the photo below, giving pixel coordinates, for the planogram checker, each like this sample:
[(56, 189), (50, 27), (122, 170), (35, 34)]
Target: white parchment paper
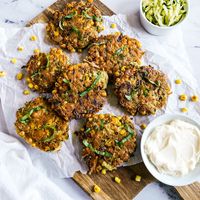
[(170, 57)]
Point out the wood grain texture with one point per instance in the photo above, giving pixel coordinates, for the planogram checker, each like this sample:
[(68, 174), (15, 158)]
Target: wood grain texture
[(128, 188)]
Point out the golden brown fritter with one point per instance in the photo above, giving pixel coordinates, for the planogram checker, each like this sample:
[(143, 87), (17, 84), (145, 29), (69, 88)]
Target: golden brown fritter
[(79, 91), (113, 52), (42, 69), (142, 90), (76, 26), (108, 141), (40, 127)]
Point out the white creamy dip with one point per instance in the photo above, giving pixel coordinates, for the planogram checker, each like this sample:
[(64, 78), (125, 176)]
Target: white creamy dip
[(174, 148)]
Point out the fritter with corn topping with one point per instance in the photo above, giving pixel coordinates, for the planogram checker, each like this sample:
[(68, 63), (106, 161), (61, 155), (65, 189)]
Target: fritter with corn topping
[(108, 141), (142, 90), (76, 26), (114, 52), (79, 91), (42, 69), (40, 127)]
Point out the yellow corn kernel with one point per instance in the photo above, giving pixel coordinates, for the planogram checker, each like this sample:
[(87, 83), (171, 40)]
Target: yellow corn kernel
[(22, 133), (194, 98), (13, 60), (178, 81), (138, 178), (113, 26), (103, 28), (28, 79), (90, 1), (19, 76), (36, 51), (123, 132), (117, 179), (54, 91), (103, 94), (184, 110), (30, 85), (138, 44), (26, 92), (36, 87), (103, 171), (30, 140), (101, 116), (116, 73), (143, 126), (115, 120), (56, 33), (33, 38), (20, 48), (33, 144), (2, 73), (183, 97), (97, 189), (123, 68)]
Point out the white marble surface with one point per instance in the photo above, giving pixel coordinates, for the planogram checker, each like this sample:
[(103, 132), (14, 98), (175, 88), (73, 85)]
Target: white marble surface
[(19, 12)]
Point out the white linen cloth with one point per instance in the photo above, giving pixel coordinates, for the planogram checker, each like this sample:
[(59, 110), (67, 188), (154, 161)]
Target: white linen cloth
[(165, 53), (19, 179)]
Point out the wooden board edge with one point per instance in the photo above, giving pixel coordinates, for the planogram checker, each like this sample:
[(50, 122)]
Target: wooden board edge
[(42, 17), (87, 184)]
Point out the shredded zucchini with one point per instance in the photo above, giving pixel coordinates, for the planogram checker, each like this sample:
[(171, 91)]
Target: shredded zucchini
[(164, 12)]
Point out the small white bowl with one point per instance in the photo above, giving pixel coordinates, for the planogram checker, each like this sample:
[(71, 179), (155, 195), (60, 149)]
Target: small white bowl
[(159, 30), (192, 176)]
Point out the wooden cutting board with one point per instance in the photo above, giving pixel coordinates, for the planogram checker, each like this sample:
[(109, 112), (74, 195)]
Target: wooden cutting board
[(128, 188)]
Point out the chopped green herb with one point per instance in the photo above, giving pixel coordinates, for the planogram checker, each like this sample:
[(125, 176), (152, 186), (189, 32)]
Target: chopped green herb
[(102, 124), (86, 15), (128, 137), (97, 19), (25, 119), (87, 130), (146, 92), (92, 86), (66, 17), (119, 51), (65, 80), (51, 137), (102, 153), (96, 44), (76, 30), (130, 96)]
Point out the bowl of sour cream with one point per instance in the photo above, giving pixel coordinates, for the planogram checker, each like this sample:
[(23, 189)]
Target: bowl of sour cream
[(170, 149)]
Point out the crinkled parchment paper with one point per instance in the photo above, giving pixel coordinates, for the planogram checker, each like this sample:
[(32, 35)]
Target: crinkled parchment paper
[(170, 57)]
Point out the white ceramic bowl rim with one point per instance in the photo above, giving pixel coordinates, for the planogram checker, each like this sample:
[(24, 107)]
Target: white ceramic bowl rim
[(192, 176), (165, 27)]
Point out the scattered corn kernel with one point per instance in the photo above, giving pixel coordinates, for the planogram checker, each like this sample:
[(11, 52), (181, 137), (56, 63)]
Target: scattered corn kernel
[(116, 73), (143, 126), (183, 97), (2, 73), (30, 85), (123, 68), (19, 76), (113, 26), (178, 81), (138, 178), (97, 189), (36, 51), (90, 1), (20, 48), (33, 38), (26, 92), (184, 110), (117, 179), (103, 171), (194, 98), (13, 60)]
